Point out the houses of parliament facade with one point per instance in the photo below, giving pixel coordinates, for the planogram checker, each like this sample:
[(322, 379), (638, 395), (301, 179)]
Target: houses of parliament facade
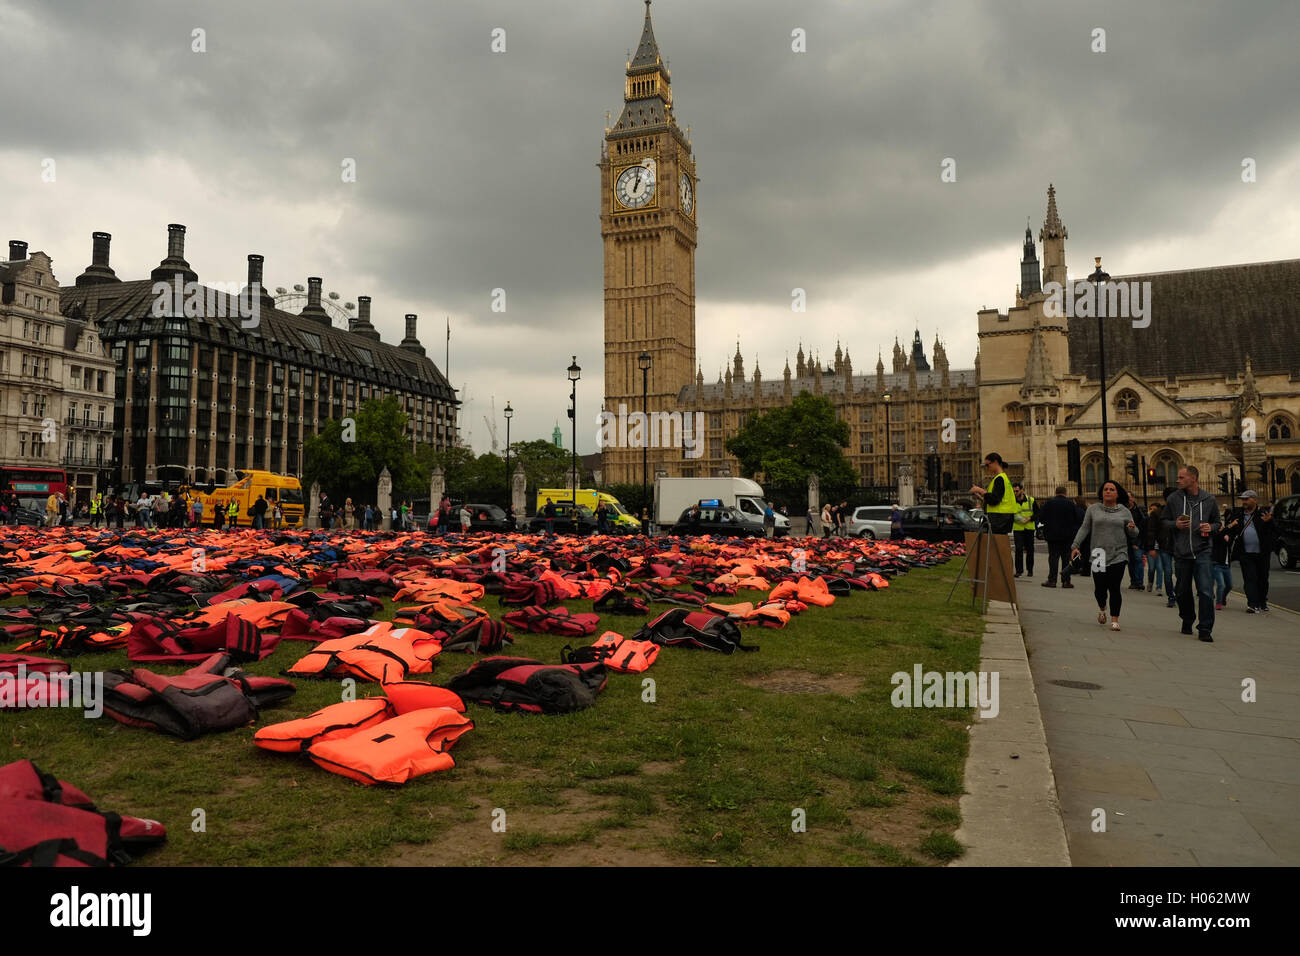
[(648, 224)]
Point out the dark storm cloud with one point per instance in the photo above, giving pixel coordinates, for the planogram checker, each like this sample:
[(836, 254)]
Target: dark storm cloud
[(476, 170)]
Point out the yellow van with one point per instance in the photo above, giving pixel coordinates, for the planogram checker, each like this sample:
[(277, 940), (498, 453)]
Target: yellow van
[(285, 489), (618, 515)]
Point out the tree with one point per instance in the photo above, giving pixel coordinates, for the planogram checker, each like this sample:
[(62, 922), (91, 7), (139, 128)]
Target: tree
[(789, 443), (348, 455)]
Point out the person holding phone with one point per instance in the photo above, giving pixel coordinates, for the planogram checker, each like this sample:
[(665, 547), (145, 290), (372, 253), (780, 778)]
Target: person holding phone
[(1252, 536), (1192, 514), (1109, 525)]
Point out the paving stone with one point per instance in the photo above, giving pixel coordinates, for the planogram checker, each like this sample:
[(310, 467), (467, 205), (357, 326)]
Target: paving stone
[(1102, 726), (1149, 754), (1077, 771), (1217, 790), (1215, 739), (1262, 767), (1127, 708), (1279, 832)]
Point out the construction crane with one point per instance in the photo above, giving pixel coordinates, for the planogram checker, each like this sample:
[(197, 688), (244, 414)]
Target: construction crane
[(491, 424)]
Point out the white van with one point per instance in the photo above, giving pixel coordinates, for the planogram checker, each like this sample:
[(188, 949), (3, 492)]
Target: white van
[(675, 495)]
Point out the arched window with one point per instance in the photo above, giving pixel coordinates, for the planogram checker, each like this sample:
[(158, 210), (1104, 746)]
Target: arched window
[(1092, 475), (1126, 402), (1166, 465), (1015, 418), (1280, 428)]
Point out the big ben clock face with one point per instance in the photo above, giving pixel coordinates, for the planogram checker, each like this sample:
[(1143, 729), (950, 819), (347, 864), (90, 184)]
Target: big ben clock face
[(686, 193), (635, 187)]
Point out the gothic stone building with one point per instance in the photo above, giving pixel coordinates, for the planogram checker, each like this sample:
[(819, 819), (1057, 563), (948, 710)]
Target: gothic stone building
[(56, 379), (894, 419), (648, 223), (1212, 381), (201, 393)]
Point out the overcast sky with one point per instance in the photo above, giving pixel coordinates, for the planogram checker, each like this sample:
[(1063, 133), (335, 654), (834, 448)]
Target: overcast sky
[(819, 170)]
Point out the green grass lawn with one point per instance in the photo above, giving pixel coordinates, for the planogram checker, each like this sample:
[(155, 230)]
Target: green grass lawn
[(715, 770)]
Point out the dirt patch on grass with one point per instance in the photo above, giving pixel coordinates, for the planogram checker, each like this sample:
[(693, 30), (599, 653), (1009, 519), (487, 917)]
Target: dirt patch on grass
[(805, 682), (904, 824)]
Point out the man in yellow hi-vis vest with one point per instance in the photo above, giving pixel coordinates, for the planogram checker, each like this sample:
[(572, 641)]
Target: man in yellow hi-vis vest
[(999, 502), (96, 508), (1023, 526)]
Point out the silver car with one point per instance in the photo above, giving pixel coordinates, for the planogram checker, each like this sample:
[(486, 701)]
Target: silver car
[(871, 521)]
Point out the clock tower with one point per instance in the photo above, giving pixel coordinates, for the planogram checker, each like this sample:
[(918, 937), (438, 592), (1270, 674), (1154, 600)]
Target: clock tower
[(647, 221)]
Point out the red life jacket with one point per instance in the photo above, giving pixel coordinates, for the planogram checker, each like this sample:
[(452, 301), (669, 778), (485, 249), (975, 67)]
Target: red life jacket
[(46, 822), (518, 683), (539, 620), (680, 627), (205, 699)]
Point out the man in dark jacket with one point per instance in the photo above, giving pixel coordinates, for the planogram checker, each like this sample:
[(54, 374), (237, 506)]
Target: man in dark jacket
[(1252, 537), (1137, 554), (1192, 515), (1060, 520)]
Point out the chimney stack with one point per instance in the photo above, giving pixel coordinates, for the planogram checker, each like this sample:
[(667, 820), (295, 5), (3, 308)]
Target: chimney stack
[(99, 271), (361, 324), (17, 250), (411, 343), (255, 265), (314, 310), (175, 264)]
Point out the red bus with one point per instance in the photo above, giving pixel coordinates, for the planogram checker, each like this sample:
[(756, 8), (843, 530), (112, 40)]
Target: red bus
[(32, 482)]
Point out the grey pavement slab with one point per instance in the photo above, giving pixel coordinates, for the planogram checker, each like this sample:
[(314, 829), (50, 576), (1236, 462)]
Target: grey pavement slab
[(1189, 774)]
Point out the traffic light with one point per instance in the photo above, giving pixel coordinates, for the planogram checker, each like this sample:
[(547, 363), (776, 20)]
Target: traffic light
[(949, 482), (1223, 482), (1151, 476), (1133, 471), (1264, 473), (1074, 471), (932, 467)]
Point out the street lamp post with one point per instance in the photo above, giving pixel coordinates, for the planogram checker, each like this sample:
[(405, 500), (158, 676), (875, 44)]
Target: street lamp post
[(889, 440), (575, 373), (509, 413), (643, 362), (299, 461), (1098, 277)]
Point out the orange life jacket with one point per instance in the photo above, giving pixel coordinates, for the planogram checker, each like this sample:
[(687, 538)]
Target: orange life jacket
[(377, 654), (616, 652), (350, 716), (396, 750)]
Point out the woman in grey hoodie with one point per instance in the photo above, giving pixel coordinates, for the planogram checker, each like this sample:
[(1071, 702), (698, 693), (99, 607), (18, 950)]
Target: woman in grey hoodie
[(1110, 525)]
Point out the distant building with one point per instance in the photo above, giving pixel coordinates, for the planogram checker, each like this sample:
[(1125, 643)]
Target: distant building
[(894, 419), (1211, 377), (56, 379), (204, 390)]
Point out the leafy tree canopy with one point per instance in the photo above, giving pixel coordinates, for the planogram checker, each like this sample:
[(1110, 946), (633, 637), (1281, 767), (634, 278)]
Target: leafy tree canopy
[(788, 444), (350, 468)]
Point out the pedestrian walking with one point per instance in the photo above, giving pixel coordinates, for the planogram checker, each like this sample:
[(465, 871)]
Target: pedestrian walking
[(1023, 525), (349, 512), (1192, 514), (998, 500), (1253, 537), (827, 524), (549, 514), (769, 521), (465, 516), (1151, 547), (1165, 551), (1137, 555), (1219, 559), (1060, 522), (1110, 528), (602, 519), (896, 523), (260, 507)]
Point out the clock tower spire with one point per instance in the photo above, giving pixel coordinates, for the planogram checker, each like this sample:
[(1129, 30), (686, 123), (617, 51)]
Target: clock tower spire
[(647, 222)]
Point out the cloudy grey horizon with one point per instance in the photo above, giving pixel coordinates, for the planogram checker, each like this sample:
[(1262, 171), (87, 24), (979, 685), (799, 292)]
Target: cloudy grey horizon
[(819, 170)]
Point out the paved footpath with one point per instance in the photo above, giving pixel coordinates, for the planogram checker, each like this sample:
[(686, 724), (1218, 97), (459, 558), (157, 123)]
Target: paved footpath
[(1188, 773)]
